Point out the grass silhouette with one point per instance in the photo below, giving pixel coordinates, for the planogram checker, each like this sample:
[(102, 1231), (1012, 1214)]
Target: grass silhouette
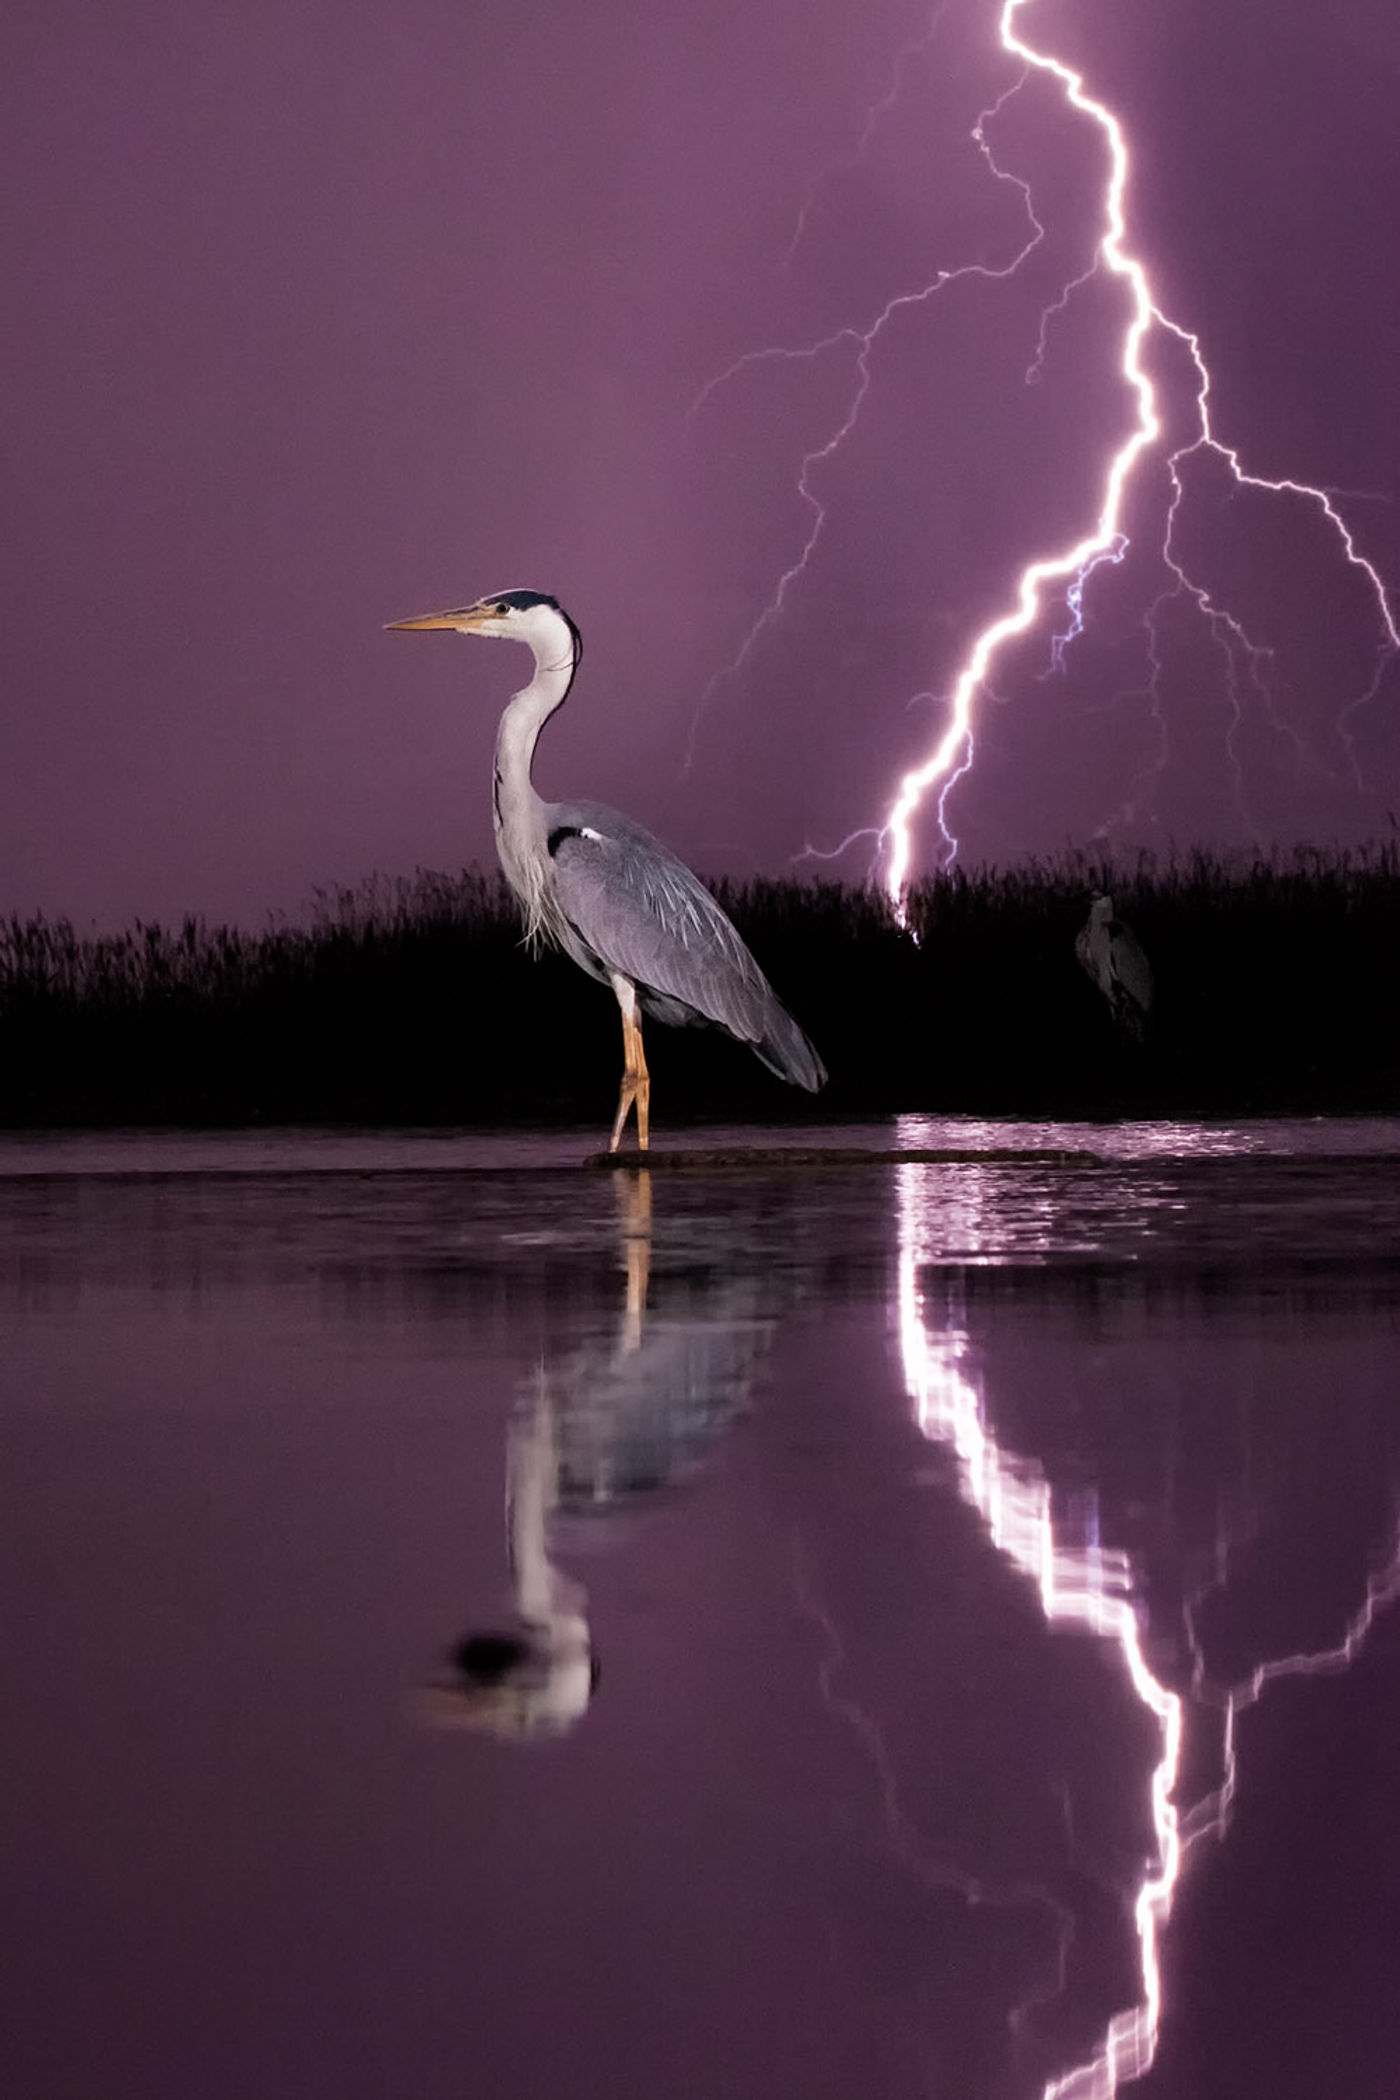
[(414, 1001)]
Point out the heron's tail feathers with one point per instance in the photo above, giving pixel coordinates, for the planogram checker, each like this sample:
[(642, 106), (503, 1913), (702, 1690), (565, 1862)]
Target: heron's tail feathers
[(1130, 1015), (785, 1050)]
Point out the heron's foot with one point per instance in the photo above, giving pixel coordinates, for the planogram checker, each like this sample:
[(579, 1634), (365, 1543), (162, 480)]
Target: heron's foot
[(635, 1093), (636, 1080), (625, 1101)]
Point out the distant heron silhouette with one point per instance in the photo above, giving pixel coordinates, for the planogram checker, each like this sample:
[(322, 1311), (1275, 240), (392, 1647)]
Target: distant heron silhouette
[(594, 883), (1111, 954)]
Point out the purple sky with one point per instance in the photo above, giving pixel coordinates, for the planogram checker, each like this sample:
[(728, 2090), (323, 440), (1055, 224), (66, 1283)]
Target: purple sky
[(319, 315)]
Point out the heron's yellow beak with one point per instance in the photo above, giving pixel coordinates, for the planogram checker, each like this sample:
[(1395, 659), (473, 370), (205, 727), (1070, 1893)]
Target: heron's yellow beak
[(468, 621)]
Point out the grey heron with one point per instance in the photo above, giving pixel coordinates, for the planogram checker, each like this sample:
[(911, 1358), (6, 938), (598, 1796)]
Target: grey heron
[(1111, 954), (596, 884)]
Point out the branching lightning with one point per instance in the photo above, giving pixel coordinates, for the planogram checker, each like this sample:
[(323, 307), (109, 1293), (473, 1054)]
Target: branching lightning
[(1211, 1816), (1089, 1586), (898, 1830), (1074, 568), (1065, 577), (873, 116), (862, 343)]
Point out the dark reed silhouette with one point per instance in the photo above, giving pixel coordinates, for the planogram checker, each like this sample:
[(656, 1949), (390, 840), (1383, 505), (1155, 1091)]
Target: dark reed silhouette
[(1277, 991)]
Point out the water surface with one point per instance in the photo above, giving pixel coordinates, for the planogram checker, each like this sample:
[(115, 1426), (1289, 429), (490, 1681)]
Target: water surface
[(477, 1624)]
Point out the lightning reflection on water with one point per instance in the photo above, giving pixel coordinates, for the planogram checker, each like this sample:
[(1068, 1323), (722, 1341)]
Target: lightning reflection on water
[(1210, 1816), (1082, 1584), (1079, 1585)]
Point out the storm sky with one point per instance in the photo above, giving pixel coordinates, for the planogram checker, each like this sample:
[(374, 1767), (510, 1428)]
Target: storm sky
[(319, 315)]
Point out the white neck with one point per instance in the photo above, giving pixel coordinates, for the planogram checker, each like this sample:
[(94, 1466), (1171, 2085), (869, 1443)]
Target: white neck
[(519, 819)]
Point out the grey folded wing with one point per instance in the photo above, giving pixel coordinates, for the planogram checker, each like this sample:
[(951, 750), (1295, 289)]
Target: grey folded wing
[(635, 909), (1131, 969)]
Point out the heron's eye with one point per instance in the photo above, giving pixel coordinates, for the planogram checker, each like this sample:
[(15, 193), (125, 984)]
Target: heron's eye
[(502, 609)]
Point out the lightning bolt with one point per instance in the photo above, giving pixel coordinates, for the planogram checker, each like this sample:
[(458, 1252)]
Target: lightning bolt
[(860, 343), (1073, 568), (1064, 577)]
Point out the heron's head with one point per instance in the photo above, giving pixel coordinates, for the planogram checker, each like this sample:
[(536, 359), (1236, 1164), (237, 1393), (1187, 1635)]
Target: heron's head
[(532, 617), (502, 1684)]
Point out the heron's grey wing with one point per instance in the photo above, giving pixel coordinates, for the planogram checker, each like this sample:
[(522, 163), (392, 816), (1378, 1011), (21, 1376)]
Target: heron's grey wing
[(1092, 948), (636, 909), (1131, 969)]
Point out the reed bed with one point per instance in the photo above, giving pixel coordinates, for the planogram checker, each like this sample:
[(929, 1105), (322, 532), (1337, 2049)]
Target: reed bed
[(413, 1001)]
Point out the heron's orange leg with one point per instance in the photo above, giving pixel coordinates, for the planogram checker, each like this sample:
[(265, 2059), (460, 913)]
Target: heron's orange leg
[(636, 1080), (642, 1085)]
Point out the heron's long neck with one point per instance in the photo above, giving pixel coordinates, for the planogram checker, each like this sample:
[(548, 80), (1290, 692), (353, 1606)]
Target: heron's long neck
[(519, 812)]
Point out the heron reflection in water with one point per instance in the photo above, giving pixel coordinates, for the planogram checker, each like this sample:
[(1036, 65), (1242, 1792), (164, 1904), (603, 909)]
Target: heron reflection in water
[(613, 1421)]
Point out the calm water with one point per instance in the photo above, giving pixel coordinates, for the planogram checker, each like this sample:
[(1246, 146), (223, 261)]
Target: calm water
[(474, 1625)]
